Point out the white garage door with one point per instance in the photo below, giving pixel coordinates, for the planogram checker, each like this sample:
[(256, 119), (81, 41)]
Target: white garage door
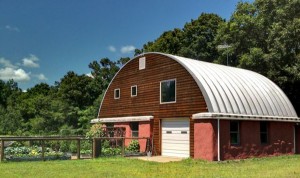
[(176, 137)]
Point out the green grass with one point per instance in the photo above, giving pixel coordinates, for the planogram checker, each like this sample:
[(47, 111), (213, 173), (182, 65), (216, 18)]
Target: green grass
[(283, 166)]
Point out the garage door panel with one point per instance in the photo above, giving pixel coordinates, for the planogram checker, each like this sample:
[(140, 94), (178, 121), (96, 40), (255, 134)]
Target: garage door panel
[(175, 138), (176, 153), (178, 146)]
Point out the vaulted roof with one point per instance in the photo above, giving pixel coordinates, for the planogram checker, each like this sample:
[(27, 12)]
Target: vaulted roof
[(235, 91)]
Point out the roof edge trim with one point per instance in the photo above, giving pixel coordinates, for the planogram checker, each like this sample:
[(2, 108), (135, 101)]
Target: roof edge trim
[(122, 119), (225, 116)]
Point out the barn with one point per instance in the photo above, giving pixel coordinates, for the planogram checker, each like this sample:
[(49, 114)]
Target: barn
[(201, 110)]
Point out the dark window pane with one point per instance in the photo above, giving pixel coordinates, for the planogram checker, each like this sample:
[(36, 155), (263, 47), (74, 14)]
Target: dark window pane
[(133, 91), (117, 93), (234, 139), (263, 127), (134, 129), (264, 138), (168, 89), (234, 132), (263, 132), (234, 126)]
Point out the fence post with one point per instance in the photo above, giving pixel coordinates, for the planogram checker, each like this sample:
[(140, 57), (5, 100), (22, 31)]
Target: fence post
[(2, 150), (43, 150), (96, 148), (123, 146), (78, 148)]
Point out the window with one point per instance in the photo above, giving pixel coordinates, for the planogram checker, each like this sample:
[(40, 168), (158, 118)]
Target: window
[(142, 63), (168, 91), (117, 93), (234, 133), (133, 90), (134, 129), (110, 129), (263, 132)]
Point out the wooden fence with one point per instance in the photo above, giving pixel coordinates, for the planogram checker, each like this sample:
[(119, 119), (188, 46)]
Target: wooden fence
[(96, 143)]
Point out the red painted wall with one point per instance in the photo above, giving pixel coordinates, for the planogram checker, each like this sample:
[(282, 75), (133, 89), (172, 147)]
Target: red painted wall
[(281, 140), (205, 139), (144, 131)]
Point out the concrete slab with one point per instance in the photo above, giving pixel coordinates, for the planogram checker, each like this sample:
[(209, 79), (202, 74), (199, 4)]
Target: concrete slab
[(160, 159)]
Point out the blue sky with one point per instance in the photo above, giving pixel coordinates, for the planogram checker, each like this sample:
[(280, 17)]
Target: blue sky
[(41, 40)]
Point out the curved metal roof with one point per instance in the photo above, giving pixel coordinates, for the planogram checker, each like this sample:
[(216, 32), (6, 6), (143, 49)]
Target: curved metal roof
[(231, 90)]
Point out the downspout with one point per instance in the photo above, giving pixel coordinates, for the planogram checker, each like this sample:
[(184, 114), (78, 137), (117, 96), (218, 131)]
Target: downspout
[(219, 159)]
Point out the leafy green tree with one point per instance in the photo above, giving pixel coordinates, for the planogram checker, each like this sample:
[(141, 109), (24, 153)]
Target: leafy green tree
[(168, 42), (77, 90), (6, 90), (104, 71), (264, 37), (198, 38)]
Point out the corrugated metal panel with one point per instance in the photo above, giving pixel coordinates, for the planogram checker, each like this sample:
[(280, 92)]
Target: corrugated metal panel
[(237, 91)]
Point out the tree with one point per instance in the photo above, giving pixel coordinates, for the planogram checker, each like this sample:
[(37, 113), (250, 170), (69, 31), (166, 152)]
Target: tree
[(6, 90), (264, 37), (77, 90), (195, 40), (198, 38), (104, 71)]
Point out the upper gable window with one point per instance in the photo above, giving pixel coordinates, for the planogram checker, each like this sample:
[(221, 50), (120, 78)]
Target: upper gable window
[(133, 90), (168, 91), (142, 63), (117, 93)]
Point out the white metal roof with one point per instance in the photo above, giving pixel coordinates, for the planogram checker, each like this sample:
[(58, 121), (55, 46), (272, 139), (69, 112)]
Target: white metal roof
[(231, 90)]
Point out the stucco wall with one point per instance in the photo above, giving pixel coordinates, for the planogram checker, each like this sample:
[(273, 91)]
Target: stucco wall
[(205, 139), (281, 140), (144, 131)]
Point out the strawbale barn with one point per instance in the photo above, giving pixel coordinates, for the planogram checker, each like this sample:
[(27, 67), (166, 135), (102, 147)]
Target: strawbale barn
[(200, 110)]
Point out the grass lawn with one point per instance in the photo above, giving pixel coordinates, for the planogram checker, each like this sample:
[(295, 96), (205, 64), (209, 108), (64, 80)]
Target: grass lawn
[(283, 166)]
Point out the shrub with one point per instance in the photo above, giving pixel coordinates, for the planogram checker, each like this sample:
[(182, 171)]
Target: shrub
[(95, 131), (134, 146)]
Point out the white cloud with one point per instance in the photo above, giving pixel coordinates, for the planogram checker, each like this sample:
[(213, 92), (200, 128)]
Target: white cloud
[(6, 63), (31, 61), (17, 75), (10, 28), (112, 49), (41, 77), (127, 49)]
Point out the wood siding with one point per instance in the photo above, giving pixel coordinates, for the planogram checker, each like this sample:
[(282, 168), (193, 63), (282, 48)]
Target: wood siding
[(189, 99)]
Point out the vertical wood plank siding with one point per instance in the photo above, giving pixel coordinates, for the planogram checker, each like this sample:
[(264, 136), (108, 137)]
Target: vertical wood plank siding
[(189, 99)]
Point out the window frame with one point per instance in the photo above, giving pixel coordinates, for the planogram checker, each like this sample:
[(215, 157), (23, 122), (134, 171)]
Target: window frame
[(117, 89), (266, 132), (160, 91), (136, 90), (235, 132), (134, 131)]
